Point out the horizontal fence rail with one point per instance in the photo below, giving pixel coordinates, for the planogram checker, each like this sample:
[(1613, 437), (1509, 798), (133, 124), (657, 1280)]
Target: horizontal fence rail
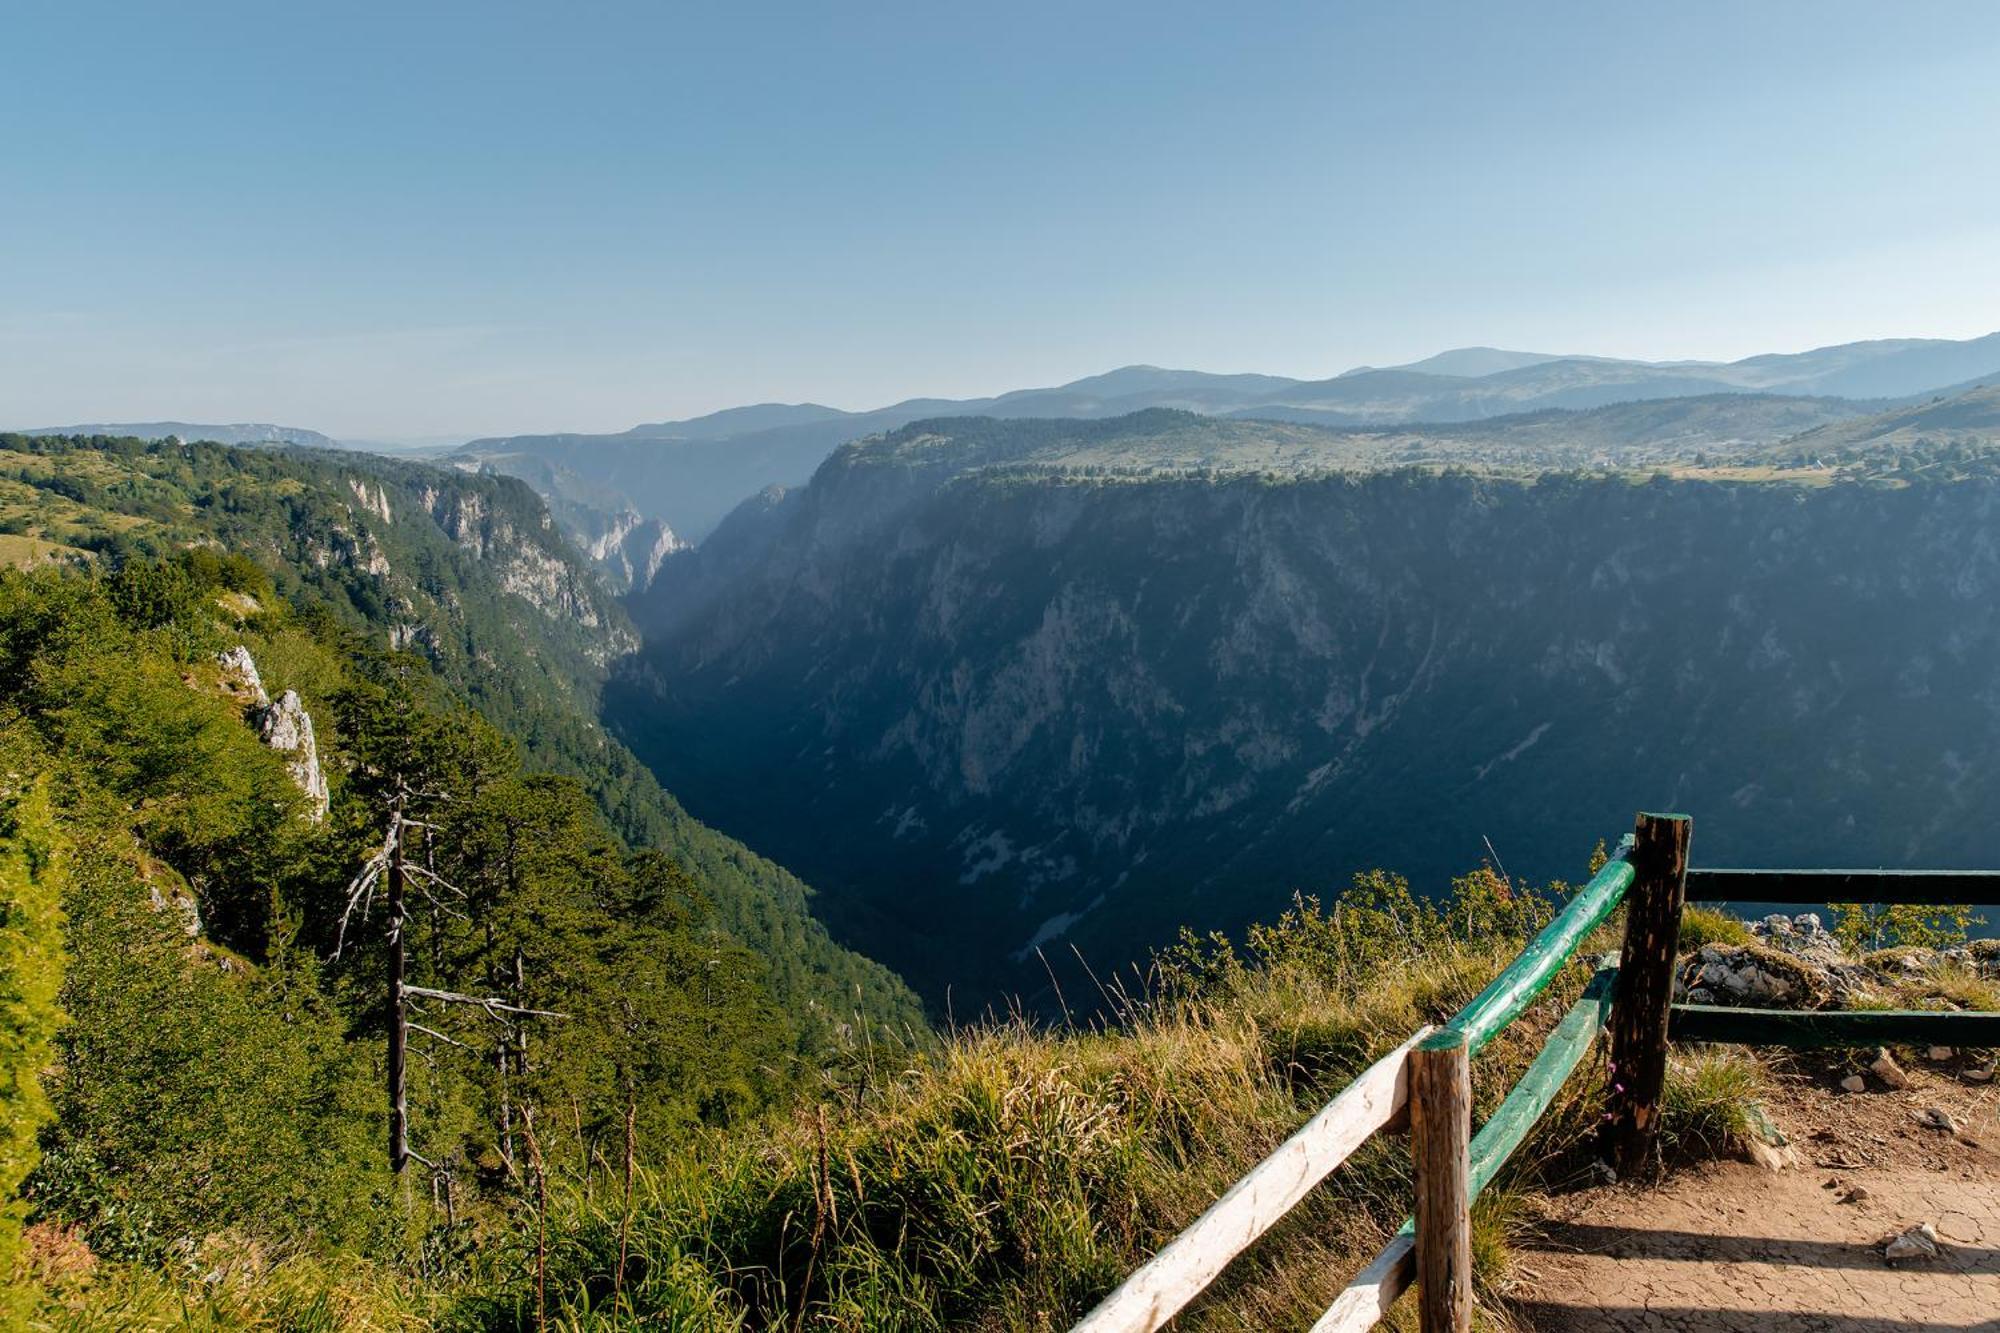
[(1980, 888), (1524, 980)]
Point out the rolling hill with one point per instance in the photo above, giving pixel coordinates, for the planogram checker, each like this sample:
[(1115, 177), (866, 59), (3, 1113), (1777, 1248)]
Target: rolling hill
[(688, 474)]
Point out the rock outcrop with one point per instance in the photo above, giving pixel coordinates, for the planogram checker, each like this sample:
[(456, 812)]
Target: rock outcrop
[(284, 725), (288, 728), (1752, 975)]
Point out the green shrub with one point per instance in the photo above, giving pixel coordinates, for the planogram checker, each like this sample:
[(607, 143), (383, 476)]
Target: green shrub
[(30, 973), (1866, 926), (196, 1093)]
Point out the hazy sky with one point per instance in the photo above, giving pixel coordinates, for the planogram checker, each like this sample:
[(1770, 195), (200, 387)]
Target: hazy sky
[(415, 219)]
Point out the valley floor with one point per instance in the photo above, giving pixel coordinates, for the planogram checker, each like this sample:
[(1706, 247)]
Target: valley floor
[(1727, 1246)]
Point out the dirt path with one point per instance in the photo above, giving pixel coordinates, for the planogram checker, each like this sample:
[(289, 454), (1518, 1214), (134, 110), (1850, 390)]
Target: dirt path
[(1730, 1246)]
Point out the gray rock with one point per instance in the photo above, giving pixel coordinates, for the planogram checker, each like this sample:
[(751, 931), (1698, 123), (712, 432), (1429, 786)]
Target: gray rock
[(1755, 975), (1941, 1053), (1854, 1083), (1805, 938), (1936, 1117), (1918, 1242), (239, 673)]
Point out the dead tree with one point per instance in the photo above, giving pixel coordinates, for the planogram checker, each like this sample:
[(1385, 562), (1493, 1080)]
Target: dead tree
[(391, 870)]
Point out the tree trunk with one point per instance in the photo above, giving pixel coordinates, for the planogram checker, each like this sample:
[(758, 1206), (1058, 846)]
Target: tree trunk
[(399, 1013)]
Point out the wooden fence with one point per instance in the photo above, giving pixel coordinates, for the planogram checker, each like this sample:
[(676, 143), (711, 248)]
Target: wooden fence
[(1424, 1085)]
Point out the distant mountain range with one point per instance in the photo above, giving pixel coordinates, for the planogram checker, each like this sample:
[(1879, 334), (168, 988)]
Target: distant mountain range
[(241, 432), (690, 473)]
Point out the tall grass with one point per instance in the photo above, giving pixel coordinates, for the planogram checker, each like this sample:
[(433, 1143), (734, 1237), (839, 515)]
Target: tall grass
[(1010, 1179)]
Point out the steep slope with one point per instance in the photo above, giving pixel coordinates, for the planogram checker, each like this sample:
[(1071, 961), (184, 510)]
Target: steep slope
[(691, 473), (471, 572), (990, 703)]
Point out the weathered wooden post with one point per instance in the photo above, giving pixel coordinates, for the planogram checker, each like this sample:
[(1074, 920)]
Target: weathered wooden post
[(1440, 1078), (1645, 994)]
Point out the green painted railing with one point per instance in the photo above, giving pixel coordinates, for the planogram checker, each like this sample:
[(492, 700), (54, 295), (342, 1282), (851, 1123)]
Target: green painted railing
[(1524, 980), (1507, 1128), (1834, 1027)]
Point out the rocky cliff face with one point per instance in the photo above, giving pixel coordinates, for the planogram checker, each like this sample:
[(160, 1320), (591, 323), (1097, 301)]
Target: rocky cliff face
[(990, 713)]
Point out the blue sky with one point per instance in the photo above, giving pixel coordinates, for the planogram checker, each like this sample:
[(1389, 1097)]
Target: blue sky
[(413, 219)]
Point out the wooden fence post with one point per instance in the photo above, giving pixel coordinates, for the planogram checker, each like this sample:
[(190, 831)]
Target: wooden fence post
[(1440, 1074), (1645, 994)]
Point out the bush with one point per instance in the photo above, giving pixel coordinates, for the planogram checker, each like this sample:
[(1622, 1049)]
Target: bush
[(195, 1093), (1869, 926)]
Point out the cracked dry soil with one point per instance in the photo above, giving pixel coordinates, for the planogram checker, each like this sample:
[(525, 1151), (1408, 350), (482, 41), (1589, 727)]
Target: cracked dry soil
[(1729, 1246)]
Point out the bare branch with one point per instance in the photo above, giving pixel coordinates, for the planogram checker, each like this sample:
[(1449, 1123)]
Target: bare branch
[(433, 1032), (491, 1004), (435, 878), (361, 889)]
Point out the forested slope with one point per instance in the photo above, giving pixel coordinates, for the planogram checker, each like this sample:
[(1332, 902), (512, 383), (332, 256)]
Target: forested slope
[(468, 573)]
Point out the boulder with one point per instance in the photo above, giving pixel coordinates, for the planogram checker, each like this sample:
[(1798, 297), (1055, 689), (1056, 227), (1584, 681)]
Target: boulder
[(1805, 938), (1903, 959), (240, 678)]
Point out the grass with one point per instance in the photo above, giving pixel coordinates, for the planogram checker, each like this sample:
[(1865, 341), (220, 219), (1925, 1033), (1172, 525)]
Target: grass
[(25, 552), (1011, 1177), (1953, 984), (228, 1285), (1009, 1180), (1711, 925), (1712, 1101)]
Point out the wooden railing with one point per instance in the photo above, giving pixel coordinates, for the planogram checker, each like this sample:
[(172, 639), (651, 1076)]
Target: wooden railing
[(1424, 1085)]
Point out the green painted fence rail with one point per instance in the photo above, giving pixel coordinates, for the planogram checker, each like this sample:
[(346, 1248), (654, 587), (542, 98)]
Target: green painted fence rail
[(1833, 1027), (1507, 1128), (1524, 980), (1980, 888), (1563, 1051)]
